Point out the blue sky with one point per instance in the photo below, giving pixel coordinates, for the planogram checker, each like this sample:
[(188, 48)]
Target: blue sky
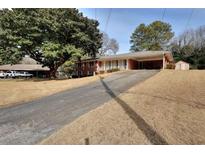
[(122, 22)]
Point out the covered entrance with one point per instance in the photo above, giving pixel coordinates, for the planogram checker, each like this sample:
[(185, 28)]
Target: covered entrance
[(154, 64), (145, 64)]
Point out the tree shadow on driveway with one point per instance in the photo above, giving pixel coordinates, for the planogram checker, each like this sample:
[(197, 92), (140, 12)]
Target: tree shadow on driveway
[(148, 131)]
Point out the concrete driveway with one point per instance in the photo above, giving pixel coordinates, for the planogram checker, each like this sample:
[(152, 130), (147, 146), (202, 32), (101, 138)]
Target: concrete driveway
[(29, 123)]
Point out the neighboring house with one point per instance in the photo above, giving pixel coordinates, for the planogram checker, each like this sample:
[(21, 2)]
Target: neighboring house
[(27, 65), (128, 61), (181, 65)]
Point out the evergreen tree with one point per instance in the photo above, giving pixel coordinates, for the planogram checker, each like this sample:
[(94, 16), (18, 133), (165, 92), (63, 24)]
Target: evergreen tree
[(50, 36), (154, 36)]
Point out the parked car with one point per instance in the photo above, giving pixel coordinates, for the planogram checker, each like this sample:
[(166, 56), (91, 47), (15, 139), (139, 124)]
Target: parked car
[(2, 75), (26, 74), (11, 74), (15, 74)]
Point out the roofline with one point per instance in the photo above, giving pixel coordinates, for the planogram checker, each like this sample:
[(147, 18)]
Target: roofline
[(182, 61), (134, 55), (9, 67)]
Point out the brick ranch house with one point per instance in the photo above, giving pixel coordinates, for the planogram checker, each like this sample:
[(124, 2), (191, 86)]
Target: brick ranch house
[(127, 61)]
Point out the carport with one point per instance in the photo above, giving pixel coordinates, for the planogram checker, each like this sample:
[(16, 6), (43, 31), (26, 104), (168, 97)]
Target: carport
[(155, 64), (145, 64), (149, 60)]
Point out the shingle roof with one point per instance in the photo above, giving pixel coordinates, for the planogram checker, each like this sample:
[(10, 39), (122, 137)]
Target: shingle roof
[(26, 64), (28, 60), (181, 61), (24, 67), (140, 54)]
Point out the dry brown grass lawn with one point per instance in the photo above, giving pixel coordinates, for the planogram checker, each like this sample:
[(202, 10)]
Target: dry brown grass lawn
[(168, 108), (20, 91)]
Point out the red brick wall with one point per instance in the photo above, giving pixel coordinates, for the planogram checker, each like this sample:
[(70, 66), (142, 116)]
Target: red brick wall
[(132, 64), (85, 67), (99, 63)]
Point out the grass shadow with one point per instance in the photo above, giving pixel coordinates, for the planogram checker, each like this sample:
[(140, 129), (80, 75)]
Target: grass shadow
[(148, 131)]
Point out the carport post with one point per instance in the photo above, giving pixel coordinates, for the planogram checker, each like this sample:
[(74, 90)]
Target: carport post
[(163, 61), (127, 67)]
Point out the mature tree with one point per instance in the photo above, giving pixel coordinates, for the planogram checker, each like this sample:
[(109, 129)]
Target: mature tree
[(109, 45), (68, 67), (9, 54), (114, 46), (190, 47), (154, 36), (55, 55), (50, 36)]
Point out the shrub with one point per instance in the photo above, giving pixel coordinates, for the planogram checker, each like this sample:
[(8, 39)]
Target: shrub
[(109, 71), (113, 70), (101, 72), (170, 66)]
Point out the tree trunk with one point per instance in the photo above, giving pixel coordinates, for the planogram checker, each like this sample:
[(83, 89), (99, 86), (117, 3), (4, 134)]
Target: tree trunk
[(54, 68), (52, 73)]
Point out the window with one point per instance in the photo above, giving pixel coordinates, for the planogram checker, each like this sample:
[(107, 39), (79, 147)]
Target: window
[(125, 63), (116, 63), (109, 64), (91, 64)]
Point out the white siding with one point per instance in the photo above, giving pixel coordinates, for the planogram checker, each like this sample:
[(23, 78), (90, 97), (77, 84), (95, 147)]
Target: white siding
[(107, 65), (181, 66)]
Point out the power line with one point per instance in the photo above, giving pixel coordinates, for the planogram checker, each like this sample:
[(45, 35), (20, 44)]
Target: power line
[(189, 19), (108, 18), (163, 14)]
